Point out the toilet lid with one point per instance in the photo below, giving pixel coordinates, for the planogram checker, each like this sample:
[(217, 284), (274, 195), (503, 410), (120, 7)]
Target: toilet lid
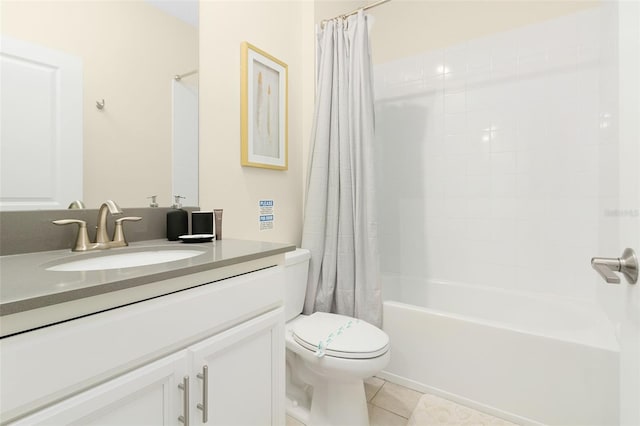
[(340, 336)]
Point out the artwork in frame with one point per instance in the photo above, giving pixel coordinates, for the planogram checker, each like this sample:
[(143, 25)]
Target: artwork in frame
[(264, 110)]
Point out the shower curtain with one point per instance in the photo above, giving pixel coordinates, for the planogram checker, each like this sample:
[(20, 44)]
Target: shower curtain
[(340, 226)]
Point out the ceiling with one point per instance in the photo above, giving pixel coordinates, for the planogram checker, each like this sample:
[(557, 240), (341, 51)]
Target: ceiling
[(186, 10)]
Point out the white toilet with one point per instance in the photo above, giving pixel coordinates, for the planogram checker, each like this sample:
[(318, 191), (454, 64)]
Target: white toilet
[(328, 356)]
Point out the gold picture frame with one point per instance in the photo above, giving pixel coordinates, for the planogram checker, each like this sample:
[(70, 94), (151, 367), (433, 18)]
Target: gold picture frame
[(263, 110)]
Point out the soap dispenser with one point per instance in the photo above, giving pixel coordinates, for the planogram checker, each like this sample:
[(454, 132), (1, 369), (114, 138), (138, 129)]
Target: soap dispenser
[(177, 220)]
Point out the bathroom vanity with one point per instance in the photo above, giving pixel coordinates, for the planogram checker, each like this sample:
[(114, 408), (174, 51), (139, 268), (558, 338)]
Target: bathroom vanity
[(191, 341)]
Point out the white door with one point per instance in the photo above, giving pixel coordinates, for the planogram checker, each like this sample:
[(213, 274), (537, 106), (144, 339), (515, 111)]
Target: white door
[(146, 396), (41, 127), (629, 205), (244, 375), (620, 182)]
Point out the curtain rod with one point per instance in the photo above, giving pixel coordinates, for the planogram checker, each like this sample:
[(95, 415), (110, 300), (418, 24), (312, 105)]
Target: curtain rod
[(353, 12), (179, 77)]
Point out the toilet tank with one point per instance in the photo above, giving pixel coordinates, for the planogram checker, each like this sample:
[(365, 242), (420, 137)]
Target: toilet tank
[(296, 268)]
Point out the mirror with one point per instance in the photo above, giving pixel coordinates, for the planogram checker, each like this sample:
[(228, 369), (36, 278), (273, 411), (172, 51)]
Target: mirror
[(123, 57)]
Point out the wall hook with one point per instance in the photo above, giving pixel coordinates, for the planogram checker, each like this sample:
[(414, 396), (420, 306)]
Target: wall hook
[(100, 105)]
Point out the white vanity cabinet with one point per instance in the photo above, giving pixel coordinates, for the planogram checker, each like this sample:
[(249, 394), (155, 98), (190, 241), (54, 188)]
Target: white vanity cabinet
[(130, 365), (146, 396), (238, 367)]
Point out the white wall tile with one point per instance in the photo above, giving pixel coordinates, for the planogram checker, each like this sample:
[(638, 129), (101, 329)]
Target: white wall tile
[(504, 48), (479, 165), (456, 187), (455, 123), (513, 152), (455, 59), (532, 63), (433, 63), (503, 140), (479, 120), (479, 229), (479, 54), (503, 163), (434, 85), (503, 186), (455, 143), (563, 58), (455, 82), (478, 186), (588, 27), (455, 103), (478, 78), (478, 99), (503, 207)]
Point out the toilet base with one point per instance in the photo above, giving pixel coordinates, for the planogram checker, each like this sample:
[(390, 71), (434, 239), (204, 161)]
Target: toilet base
[(315, 401), (338, 404), (299, 412), (332, 405)]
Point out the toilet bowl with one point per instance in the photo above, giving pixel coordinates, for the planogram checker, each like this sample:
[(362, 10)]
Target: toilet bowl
[(328, 356)]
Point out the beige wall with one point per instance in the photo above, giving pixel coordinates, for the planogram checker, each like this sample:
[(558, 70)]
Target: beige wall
[(405, 27), (130, 52), (284, 29)]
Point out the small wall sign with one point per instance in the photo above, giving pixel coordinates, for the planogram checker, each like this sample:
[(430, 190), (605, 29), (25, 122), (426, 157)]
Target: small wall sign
[(266, 215)]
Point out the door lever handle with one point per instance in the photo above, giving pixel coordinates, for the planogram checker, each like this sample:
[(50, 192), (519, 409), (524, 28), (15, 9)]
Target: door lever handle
[(605, 270), (627, 264)]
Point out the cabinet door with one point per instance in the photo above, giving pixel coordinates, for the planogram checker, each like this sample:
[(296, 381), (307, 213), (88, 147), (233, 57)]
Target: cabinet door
[(146, 396), (245, 374)]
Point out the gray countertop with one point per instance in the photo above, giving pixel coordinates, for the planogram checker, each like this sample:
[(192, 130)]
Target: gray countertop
[(26, 284)]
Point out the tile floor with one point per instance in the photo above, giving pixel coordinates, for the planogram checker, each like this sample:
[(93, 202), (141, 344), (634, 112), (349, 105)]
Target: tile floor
[(394, 405)]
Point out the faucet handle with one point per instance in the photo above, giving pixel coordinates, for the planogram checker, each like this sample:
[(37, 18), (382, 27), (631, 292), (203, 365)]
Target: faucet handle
[(129, 218), (69, 221), (82, 239), (118, 234)]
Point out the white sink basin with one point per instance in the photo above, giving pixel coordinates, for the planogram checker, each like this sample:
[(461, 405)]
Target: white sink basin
[(125, 260)]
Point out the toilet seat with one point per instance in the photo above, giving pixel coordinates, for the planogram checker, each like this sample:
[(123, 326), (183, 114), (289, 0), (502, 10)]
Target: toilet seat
[(340, 336)]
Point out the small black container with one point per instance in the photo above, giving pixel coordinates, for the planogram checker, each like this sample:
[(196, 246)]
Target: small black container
[(177, 224), (201, 223)]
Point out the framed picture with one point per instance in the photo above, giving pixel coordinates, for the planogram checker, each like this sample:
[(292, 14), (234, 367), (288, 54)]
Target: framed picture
[(264, 110)]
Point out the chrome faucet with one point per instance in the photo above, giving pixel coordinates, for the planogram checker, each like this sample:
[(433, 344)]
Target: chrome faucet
[(83, 243), (101, 230)]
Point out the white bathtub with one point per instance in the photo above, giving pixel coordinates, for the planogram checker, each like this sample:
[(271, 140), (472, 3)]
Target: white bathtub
[(526, 358)]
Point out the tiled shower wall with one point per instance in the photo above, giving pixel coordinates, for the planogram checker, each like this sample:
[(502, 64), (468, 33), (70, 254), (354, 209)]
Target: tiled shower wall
[(495, 157)]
